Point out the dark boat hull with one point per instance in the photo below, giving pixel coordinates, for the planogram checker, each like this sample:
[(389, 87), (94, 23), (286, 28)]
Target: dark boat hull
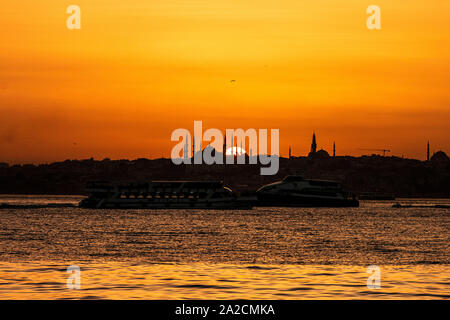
[(270, 200)]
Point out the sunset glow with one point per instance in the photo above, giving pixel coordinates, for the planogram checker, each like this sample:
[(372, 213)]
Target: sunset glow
[(137, 70)]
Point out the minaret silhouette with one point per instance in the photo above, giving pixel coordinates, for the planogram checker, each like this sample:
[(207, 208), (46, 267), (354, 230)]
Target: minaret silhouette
[(313, 144), (428, 151), (224, 149), (334, 149), (289, 152)]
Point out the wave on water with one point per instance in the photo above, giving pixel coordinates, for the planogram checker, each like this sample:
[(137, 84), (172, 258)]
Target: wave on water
[(36, 206)]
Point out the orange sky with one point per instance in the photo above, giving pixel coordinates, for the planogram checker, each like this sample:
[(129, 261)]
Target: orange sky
[(137, 70)]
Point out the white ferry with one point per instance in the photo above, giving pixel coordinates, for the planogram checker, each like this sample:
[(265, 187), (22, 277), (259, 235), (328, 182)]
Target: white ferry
[(295, 191)]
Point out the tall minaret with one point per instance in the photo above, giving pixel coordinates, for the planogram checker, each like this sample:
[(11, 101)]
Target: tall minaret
[(193, 148), (428, 151), (313, 144), (290, 152), (224, 146), (334, 149)]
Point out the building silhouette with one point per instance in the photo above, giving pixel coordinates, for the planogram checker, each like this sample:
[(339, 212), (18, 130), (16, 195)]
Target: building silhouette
[(313, 144), (314, 153), (439, 156)]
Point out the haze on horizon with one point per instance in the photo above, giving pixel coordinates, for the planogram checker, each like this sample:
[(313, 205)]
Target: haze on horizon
[(136, 71)]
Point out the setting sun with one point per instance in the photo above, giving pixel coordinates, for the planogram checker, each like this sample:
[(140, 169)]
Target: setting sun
[(235, 151)]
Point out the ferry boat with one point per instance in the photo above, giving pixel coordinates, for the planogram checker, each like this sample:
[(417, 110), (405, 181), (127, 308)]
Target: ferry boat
[(163, 195), (295, 191)]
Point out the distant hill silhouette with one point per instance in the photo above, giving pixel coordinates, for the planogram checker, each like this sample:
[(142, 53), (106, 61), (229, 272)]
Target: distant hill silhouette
[(402, 177)]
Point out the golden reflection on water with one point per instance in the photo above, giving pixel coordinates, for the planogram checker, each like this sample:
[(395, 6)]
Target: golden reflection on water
[(121, 280)]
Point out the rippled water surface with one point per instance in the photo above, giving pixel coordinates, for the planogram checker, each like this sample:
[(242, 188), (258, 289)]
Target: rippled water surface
[(264, 253)]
